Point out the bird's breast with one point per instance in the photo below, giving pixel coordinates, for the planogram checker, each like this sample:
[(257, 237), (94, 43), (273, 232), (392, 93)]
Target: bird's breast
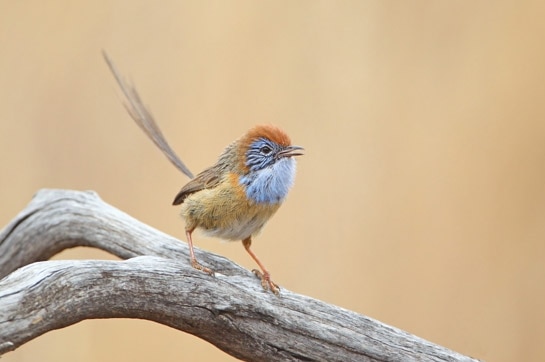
[(225, 211), (271, 184)]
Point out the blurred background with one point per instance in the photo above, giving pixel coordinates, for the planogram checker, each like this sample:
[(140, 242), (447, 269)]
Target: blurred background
[(421, 198)]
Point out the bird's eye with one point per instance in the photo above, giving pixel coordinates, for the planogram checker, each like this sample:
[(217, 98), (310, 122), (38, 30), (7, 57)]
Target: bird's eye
[(265, 150)]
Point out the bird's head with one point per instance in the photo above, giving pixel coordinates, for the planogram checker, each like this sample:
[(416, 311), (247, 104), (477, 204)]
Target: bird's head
[(267, 160)]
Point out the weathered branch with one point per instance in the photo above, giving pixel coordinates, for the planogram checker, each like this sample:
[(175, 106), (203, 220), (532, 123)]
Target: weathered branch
[(230, 310)]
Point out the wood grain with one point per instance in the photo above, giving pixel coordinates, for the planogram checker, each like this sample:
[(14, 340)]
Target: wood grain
[(156, 283)]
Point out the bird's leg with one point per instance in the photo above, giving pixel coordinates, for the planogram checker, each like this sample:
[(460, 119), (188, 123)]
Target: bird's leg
[(264, 275), (194, 263)]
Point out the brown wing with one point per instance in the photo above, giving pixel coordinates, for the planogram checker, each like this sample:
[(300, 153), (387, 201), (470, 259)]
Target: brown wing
[(207, 179), (212, 176)]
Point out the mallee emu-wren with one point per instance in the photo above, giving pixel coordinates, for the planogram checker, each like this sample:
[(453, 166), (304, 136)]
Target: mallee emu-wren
[(234, 198)]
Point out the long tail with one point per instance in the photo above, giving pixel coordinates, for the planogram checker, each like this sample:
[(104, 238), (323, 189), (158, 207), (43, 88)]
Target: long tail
[(143, 118)]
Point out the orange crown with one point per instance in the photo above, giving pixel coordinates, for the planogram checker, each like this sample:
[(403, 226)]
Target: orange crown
[(268, 131)]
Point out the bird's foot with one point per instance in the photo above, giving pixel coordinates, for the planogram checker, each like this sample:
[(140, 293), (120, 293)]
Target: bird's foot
[(266, 281), (195, 264)]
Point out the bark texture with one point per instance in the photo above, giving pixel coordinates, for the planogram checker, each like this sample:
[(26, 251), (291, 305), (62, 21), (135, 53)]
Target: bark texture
[(230, 310)]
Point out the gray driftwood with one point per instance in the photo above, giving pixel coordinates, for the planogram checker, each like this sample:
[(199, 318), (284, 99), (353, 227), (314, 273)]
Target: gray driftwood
[(156, 283)]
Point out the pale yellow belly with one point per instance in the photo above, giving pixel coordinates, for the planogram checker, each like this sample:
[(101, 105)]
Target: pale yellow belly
[(225, 212)]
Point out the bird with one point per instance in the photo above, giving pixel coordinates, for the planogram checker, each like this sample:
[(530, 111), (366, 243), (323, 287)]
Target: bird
[(234, 198)]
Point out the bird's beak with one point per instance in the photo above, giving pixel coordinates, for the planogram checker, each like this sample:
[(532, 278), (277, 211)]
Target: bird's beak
[(290, 151)]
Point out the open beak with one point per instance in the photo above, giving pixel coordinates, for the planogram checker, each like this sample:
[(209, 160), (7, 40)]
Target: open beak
[(290, 151)]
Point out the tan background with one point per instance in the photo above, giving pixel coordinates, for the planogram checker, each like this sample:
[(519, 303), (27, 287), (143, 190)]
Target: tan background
[(420, 200)]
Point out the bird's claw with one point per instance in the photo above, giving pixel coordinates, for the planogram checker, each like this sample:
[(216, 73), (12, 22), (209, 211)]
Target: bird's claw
[(266, 281), (195, 264)]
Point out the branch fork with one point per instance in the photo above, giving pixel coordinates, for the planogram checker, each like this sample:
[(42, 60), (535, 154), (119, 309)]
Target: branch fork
[(156, 283)]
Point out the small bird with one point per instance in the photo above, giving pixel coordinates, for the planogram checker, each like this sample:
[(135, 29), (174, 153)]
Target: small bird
[(234, 198)]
